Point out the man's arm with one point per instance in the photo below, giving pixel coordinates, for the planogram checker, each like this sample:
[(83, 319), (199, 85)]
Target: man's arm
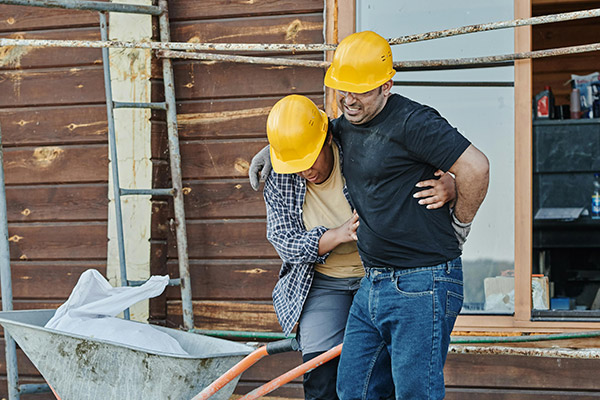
[(293, 243), (471, 172), (439, 191), (342, 234)]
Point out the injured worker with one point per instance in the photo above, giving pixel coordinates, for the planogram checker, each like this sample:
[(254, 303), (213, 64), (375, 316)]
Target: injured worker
[(312, 225)]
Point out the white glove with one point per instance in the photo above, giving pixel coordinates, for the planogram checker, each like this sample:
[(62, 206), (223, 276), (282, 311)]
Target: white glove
[(461, 229), (260, 167)]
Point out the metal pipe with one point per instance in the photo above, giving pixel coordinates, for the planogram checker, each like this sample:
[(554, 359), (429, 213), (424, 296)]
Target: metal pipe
[(274, 46), (418, 65), (151, 192), (458, 346), (112, 142), (455, 67), (403, 65), (152, 106), (165, 45), (587, 354), (34, 388), (241, 59), (545, 19), (10, 350), (243, 334), (400, 65), (454, 84), (87, 5), (524, 338), (453, 339), (172, 282), (176, 180)]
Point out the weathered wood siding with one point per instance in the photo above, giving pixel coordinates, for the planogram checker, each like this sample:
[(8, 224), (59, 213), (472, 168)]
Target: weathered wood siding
[(54, 134), (222, 111), (56, 155)]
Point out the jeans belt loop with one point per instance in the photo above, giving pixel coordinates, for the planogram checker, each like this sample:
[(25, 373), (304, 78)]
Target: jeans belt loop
[(448, 267)]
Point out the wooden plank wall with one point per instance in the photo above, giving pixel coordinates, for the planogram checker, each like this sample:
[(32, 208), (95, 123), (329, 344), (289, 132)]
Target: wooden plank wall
[(54, 133), (222, 110), (556, 71), (54, 128)]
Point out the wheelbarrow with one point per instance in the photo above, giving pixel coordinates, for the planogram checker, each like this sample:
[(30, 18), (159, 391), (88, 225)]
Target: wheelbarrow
[(78, 367)]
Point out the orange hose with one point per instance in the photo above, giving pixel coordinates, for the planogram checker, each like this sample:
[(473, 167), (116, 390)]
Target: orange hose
[(234, 371), (292, 374), (53, 391)]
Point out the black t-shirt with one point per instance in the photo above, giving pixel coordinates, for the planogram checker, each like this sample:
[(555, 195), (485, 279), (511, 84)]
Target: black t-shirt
[(383, 160)]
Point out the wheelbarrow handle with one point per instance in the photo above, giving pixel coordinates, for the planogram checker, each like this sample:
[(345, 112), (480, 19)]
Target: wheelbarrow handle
[(294, 373), (282, 346), (279, 346)]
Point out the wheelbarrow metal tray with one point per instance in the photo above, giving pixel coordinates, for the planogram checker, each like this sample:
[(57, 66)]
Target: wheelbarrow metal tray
[(83, 368)]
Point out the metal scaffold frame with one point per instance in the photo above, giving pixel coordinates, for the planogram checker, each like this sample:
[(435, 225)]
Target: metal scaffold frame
[(176, 191), (168, 49)]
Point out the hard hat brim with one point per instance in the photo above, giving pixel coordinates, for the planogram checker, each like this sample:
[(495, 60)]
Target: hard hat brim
[(352, 87)]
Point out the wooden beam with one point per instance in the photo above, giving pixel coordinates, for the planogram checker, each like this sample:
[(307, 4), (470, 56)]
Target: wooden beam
[(340, 21), (523, 168), (331, 37), (508, 323), (346, 18)]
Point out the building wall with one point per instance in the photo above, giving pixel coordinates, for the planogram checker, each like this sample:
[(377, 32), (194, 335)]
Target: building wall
[(53, 116), (54, 133), (222, 110)]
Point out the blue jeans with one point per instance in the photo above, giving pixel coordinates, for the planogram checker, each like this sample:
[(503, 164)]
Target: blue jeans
[(398, 333)]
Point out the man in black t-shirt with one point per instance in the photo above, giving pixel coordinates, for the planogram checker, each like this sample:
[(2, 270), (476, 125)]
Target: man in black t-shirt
[(399, 327), (398, 330)]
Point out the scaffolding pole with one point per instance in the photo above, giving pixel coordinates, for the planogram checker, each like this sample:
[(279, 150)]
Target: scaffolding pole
[(176, 178), (165, 45), (6, 285), (514, 23), (87, 5), (114, 162), (451, 63), (546, 19), (490, 61), (587, 354), (417, 65)]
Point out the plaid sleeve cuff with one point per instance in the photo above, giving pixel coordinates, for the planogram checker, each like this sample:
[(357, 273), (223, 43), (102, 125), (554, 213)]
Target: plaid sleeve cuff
[(312, 244)]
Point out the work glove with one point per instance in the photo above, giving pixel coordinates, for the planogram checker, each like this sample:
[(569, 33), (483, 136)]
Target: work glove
[(260, 167), (461, 230)]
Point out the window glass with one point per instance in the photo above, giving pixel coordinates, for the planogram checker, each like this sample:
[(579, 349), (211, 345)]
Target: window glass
[(485, 115)]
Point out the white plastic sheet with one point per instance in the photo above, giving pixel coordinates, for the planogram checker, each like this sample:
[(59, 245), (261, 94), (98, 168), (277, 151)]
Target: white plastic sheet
[(91, 308)]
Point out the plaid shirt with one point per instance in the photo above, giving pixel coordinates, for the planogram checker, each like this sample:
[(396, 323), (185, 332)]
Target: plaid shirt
[(298, 248)]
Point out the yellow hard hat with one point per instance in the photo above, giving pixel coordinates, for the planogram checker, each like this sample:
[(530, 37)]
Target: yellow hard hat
[(362, 62), (296, 129)]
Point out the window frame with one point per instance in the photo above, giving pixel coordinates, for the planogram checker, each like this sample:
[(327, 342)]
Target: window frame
[(340, 21)]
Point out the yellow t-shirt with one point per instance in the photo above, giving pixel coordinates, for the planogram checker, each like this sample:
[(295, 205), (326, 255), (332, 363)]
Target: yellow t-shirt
[(325, 205)]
